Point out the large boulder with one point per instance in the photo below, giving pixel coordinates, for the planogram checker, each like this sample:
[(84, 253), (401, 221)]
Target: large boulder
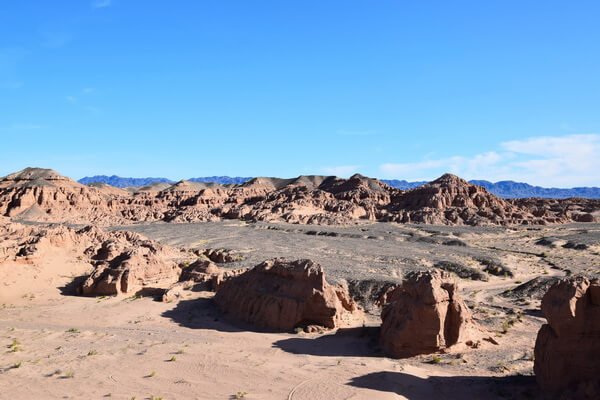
[(567, 349), (282, 295), (424, 315)]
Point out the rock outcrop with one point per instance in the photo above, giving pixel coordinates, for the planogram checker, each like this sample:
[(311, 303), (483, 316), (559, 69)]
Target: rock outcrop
[(204, 271), (424, 315), (120, 261), (282, 295), (126, 262), (42, 195), (567, 349), (453, 201)]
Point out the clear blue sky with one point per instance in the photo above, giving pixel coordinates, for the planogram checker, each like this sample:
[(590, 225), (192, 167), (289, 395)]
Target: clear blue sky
[(392, 89)]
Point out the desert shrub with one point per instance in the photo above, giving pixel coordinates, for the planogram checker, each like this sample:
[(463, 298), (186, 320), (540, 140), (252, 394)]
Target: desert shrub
[(461, 270), (495, 267)]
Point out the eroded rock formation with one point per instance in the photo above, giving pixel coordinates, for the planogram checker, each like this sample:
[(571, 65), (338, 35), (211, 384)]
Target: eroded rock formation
[(282, 295), (126, 262), (424, 315), (120, 262), (42, 195), (567, 349)]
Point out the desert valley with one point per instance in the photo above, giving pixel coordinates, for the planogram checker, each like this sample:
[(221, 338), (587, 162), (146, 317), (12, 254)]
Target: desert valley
[(315, 287)]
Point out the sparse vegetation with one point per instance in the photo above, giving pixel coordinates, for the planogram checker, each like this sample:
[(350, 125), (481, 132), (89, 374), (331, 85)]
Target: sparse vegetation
[(92, 353), (495, 267), (14, 346), (240, 395), (461, 270), (151, 374), (70, 374), (73, 330), (435, 359), (173, 359), (17, 365), (507, 324)]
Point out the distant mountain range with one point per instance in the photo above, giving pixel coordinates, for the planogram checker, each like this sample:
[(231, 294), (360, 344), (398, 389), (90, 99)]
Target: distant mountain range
[(505, 189), (120, 182)]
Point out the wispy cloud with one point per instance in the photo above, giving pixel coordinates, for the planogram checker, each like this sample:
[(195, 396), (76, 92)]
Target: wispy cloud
[(341, 170), (101, 3), (563, 161)]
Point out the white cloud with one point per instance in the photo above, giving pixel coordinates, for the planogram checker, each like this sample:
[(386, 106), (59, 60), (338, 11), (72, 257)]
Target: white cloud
[(562, 161), (101, 3), (341, 170)]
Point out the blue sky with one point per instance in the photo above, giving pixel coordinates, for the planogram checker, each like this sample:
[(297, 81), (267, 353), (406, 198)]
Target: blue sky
[(392, 89)]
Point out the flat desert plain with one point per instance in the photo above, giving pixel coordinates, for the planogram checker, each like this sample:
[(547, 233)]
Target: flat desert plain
[(58, 345)]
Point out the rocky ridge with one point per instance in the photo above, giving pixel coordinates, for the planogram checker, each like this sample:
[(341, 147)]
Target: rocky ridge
[(45, 196)]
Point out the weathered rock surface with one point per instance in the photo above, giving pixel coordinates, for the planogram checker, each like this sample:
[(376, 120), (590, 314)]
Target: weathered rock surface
[(127, 262), (42, 195), (424, 315), (567, 349), (204, 271), (121, 262), (282, 295), (452, 200)]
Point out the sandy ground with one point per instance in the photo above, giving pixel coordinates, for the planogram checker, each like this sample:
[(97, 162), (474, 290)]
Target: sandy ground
[(57, 346)]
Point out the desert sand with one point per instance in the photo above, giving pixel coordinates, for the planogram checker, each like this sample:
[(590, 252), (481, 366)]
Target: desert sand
[(128, 339), (57, 345)]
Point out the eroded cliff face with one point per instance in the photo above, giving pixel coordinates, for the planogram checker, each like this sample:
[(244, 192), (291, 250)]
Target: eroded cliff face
[(567, 349), (44, 196), (282, 295)]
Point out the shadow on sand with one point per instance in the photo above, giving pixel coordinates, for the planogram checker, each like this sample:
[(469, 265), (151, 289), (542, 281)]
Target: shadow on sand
[(203, 314), (72, 287), (449, 387), (349, 342)]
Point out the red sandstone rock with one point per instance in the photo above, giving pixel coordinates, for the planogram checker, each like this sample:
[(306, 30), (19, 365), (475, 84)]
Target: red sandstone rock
[(127, 262), (44, 196), (424, 315), (282, 295), (122, 262), (567, 349)]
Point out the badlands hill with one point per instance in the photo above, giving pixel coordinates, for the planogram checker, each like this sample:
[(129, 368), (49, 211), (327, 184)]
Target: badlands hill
[(504, 189), (43, 195)]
